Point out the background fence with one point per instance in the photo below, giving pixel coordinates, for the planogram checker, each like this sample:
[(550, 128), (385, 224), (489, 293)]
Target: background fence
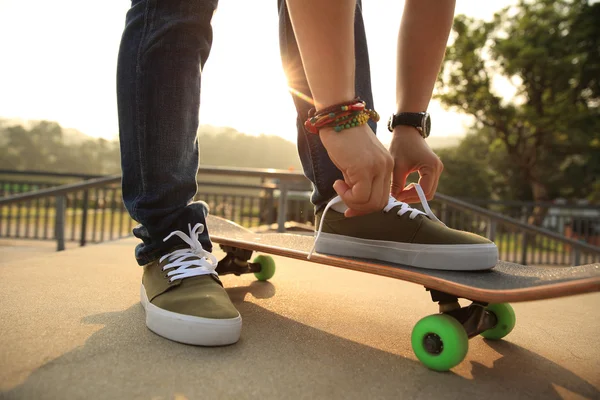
[(88, 209)]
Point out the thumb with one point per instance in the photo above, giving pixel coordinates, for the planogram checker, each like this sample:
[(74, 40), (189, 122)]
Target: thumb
[(399, 180)]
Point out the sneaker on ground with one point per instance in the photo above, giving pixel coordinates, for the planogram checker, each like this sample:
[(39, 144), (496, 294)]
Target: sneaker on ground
[(184, 299)]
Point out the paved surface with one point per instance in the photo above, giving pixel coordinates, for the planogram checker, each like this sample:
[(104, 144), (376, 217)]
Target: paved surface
[(22, 249), (72, 327)]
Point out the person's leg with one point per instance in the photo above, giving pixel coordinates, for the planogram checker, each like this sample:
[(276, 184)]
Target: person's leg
[(164, 46), (395, 233), (317, 165)]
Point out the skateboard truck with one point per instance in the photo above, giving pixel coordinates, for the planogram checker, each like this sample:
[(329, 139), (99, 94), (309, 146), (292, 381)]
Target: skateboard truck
[(474, 318), (236, 262)]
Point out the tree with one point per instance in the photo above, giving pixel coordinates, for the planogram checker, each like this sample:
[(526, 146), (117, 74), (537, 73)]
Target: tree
[(45, 146), (466, 175), (41, 146), (549, 51)]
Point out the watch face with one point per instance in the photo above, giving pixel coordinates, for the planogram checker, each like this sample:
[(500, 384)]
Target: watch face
[(426, 124)]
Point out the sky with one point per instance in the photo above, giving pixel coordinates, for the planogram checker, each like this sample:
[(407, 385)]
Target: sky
[(59, 63)]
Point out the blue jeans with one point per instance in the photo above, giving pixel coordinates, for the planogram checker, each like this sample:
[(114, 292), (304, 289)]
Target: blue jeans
[(163, 47)]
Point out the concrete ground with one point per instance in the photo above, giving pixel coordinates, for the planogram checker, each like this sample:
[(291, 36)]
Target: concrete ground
[(22, 249), (71, 327)]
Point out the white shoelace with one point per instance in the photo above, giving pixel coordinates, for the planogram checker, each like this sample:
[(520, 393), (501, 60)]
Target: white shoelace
[(192, 261), (392, 202)]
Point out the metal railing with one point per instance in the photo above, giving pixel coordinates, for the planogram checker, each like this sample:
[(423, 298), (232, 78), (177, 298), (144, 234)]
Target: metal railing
[(15, 182), (579, 221), (92, 211), (517, 240)]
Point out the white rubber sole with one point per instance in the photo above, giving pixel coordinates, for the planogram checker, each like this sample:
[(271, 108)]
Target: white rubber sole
[(189, 329), (453, 257)]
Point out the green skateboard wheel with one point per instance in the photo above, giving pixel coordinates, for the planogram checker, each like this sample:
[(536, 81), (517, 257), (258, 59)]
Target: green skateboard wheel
[(267, 267), (506, 321), (440, 342)]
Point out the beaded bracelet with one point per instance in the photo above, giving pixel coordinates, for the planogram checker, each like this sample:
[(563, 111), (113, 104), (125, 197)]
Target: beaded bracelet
[(340, 116)]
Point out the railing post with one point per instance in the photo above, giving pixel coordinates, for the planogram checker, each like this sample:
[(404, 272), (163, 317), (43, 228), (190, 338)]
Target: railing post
[(282, 211), (524, 248), (84, 214), (444, 213), (59, 222), (491, 230), (270, 204), (576, 256)]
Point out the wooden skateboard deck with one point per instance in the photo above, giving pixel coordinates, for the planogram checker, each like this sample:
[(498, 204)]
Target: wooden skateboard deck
[(507, 282), (440, 341)]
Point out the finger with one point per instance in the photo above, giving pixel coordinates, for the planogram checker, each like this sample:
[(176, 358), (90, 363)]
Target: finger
[(399, 180), (341, 188), (379, 197), (428, 180), (376, 200), (387, 184), (346, 192), (359, 194), (439, 170), (434, 190), (408, 194), (346, 179), (349, 213)]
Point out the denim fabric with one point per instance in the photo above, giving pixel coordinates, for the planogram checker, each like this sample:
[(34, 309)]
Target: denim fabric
[(163, 48), (317, 165)]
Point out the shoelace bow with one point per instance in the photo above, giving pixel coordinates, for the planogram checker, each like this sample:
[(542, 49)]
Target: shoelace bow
[(192, 261), (392, 202)]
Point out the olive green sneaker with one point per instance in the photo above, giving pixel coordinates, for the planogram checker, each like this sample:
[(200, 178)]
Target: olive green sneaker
[(184, 299), (403, 235)]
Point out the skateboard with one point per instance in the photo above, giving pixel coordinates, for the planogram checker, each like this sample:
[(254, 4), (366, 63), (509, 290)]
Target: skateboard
[(440, 341)]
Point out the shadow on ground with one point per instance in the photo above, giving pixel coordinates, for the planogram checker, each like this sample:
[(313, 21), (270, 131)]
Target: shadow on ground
[(276, 358)]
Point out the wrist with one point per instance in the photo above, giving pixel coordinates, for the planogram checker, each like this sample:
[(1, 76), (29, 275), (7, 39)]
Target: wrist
[(330, 132), (322, 102), (406, 130), (420, 121)]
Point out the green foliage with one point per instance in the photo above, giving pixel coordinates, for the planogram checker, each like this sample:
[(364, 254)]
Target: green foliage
[(478, 168), (46, 146), (42, 147), (228, 147), (549, 133), (465, 174)]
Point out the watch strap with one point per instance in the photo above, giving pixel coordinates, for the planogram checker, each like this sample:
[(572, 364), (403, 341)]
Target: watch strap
[(406, 118)]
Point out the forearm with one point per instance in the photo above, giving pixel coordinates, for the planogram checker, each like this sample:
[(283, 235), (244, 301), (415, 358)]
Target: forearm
[(325, 34), (422, 42)]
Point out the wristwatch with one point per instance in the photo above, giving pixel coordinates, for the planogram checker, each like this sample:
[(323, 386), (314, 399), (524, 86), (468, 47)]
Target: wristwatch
[(421, 121)]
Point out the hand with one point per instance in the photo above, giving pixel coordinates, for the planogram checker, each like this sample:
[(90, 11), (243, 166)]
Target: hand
[(411, 153), (366, 166)]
